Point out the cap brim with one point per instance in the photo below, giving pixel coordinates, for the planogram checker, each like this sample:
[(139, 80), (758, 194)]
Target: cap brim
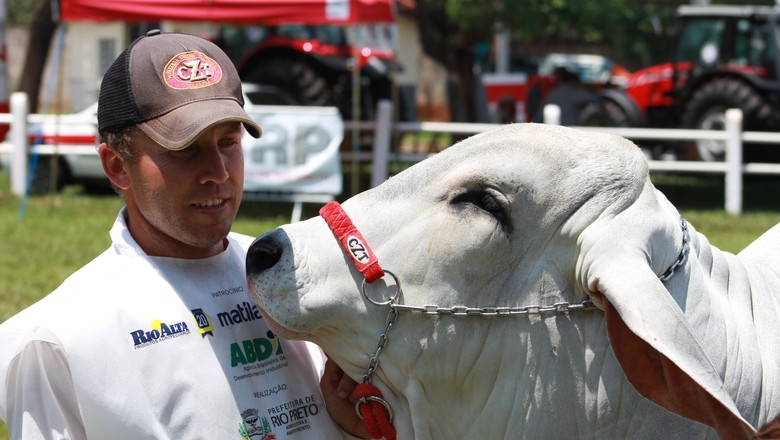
[(179, 128)]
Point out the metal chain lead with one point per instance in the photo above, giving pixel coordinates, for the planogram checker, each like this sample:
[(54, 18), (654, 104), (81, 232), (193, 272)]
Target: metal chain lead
[(373, 361), (683, 253), (536, 309), (552, 309)]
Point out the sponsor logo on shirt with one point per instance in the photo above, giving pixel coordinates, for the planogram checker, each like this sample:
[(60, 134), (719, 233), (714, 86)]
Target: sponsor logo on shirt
[(160, 331), (291, 416), (255, 350), (243, 312), (254, 426), (203, 321)]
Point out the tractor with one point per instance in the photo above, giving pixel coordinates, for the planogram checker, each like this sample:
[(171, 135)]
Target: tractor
[(724, 57), (312, 64)]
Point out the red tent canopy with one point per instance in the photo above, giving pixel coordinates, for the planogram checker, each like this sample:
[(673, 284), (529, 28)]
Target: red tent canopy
[(232, 11)]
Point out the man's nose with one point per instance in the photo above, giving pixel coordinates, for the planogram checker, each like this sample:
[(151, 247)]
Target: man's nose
[(214, 165)]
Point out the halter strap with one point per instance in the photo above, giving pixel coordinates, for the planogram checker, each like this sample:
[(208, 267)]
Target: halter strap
[(352, 241), (371, 407)]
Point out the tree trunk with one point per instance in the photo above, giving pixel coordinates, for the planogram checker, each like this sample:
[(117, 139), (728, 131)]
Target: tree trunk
[(436, 33), (41, 32), (462, 96)]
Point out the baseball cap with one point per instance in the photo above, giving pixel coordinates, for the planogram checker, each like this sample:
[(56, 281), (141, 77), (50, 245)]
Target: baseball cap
[(172, 86)]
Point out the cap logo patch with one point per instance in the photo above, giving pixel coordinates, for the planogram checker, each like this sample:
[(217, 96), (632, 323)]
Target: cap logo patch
[(191, 70)]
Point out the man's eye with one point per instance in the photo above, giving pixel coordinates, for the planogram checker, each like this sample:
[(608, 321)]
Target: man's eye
[(186, 152), (229, 144)]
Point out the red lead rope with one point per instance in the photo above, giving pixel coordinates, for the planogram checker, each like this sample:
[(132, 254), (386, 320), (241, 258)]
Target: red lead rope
[(373, 413), (375, 416)]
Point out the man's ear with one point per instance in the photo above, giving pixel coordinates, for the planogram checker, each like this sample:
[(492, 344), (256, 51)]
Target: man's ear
[(114, 166)]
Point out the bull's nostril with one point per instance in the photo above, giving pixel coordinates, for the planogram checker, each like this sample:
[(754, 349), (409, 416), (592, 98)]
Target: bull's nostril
[(263, 254)]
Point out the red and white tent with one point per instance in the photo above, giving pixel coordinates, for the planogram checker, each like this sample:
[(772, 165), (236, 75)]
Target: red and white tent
[(267, 12)]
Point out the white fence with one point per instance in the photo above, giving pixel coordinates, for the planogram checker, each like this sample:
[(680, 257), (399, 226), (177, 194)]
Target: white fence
[(732, 168)]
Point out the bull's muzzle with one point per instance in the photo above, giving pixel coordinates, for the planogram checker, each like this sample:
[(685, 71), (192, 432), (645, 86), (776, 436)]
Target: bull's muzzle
[(263, 253)]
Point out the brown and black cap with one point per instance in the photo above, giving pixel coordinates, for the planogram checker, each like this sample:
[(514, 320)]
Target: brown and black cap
[(172, 86)]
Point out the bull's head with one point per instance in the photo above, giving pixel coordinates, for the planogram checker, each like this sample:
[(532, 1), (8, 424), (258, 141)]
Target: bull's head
[(526, 215)]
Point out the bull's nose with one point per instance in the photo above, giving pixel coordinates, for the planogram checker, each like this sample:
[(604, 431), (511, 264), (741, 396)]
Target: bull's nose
[(264, 252)]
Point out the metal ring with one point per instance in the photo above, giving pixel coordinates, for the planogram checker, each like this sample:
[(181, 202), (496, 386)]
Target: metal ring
[(392, 299), (363, 400)]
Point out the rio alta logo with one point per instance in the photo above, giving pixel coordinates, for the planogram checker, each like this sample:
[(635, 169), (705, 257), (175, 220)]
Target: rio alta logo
[(160, 331)]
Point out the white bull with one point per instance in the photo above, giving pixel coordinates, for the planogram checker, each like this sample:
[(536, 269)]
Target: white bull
[(536, 215)]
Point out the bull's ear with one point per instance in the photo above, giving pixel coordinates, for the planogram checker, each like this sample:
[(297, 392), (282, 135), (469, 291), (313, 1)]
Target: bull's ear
[(648, 332)]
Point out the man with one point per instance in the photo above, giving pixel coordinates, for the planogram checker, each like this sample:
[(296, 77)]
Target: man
[(157, 337), (570, 96)]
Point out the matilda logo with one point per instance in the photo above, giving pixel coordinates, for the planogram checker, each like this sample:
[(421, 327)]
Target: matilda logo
[(191, 70), (204, 323), (159, 332), (243, 312), (357, 249), (250, 427)]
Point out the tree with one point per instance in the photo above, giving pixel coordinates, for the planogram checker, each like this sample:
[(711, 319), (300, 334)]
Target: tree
[(451, 29), (637, 32), (41, 31), (21, 12)]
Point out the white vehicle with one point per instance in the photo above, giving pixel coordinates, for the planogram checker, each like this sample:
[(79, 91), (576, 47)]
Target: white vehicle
[(71, 139), (298, 152)]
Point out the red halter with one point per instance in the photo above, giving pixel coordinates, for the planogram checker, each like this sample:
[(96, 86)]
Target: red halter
[(352, 241), (370, 408)]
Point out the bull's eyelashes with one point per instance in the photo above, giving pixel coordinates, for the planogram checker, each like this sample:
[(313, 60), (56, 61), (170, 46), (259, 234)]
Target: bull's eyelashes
[(487, 200)]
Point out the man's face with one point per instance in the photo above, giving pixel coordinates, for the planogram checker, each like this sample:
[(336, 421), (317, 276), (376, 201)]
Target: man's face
[(182, 203)]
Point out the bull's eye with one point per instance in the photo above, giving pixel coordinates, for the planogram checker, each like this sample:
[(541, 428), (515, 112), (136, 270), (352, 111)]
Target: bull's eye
[(488, 201)]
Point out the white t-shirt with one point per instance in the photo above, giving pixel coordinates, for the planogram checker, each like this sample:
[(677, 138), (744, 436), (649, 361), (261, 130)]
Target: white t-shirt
[(138, 347)]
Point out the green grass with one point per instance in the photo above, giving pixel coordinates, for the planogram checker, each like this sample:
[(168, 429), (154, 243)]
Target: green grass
[(57, 234), (46, 241), (701, 201)]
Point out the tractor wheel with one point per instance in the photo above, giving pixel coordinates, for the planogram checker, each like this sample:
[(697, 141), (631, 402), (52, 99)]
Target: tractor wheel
[(616, 116), (707, 111), (293, 75), (619, 110), (592, 115), (606, 113)]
